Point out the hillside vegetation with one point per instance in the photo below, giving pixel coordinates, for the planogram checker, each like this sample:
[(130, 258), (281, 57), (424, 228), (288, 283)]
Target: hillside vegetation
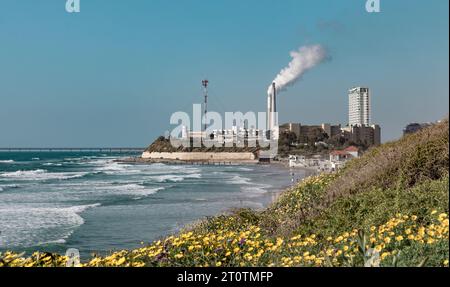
[(387, 208), (409, 175)]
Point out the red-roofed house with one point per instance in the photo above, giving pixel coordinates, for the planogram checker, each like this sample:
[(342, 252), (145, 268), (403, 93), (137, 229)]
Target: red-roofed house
[(340, 155), (353, 150)]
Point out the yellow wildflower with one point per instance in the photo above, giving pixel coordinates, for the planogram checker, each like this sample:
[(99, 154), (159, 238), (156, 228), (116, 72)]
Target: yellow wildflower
[(120, 261)]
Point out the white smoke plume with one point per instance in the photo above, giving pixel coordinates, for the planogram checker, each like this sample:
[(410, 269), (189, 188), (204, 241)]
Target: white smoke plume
[(306, 58)]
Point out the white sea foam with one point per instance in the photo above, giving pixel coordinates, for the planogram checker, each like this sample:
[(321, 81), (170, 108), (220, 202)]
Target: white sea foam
[(258, 188), (8, 186), (240, 180), (7, 161), (57, 241), (114, 168), (146, 192), (129, 189), (255, 190), (52, 164), (106, 189), (24, 225), (41, 174), (175, 177), (245, 169)]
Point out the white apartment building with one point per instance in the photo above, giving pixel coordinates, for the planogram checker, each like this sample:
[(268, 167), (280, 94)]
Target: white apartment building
[(359, 107)]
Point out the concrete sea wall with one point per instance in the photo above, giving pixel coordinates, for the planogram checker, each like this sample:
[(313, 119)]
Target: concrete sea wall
[(200, 156)]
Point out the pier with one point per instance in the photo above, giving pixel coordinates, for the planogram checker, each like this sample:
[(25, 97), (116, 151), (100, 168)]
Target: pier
[(75, 149)]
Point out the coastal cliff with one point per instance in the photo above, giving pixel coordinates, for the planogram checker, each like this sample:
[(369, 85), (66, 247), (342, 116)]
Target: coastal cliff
[(162, 144), (162, 150)]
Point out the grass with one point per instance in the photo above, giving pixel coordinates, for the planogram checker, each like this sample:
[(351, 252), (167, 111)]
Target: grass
[(388, 208), (408, 175)]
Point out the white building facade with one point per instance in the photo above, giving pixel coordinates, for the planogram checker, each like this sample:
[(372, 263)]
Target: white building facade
[(359, 107)]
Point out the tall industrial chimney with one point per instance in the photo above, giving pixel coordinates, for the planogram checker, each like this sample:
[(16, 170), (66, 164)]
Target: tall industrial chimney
[(274, 106), (269, 111)]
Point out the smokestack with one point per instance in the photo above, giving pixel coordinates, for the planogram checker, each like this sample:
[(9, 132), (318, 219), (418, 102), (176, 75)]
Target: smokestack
[(269, 111), (274, 105), (271, 107)]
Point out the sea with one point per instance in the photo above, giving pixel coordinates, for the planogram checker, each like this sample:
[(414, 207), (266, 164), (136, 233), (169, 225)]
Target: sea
[(52, 201)]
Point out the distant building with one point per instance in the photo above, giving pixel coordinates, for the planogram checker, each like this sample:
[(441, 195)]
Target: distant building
[(344, 155), (353, 150), (360, 131), (366, 135), (305, 133), (359, 107), (331, 130), (415, 127), (340, 156)]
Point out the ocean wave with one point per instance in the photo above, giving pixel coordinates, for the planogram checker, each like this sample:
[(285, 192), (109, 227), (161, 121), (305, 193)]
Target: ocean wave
[(255, 189), (106, 189), (41, 174), (7, 161), (240, 180), (245, 169), (52, 164), (8, 186), (24, 225), (138, 191), (113, 168), (57, 241), (81, 208), (175, 177), (146, 192)]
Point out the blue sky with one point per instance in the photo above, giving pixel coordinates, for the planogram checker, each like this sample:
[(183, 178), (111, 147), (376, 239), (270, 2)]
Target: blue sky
[(113, 74)]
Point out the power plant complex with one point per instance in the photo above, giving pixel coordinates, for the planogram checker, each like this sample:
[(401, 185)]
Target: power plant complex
[(359, 129)]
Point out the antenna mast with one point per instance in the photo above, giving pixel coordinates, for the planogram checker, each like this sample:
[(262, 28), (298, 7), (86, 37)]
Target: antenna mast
[(205, 91)]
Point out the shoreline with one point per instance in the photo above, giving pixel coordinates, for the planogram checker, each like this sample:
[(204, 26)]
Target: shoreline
[(140, 160), (274, 193), (283, 163)]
